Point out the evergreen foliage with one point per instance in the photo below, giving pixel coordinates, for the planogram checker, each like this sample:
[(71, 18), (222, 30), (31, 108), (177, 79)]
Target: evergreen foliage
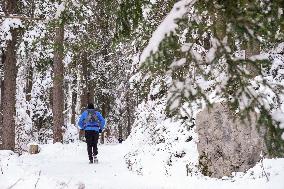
[(213, 55)]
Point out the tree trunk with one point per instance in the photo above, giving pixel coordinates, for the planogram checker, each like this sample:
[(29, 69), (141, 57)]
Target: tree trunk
[(58, 90), (74, 101), (90, 91), (252, 48), (29, 86), (1, 111), (10, 74), (9, 94), (120, 138), (88, 87), (128, 113), (220, 26), (1, 93), (84, 96), (104, 112)]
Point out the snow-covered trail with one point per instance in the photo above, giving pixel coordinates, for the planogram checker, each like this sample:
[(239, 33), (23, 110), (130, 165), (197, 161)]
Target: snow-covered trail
[(66, 166), (60, 166)]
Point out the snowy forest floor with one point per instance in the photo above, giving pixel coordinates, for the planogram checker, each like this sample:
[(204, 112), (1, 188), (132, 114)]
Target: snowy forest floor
[(60, 166)]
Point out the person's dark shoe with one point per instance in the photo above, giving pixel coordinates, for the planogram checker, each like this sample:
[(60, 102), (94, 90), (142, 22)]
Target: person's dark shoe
[(91, 162), (96, 159)]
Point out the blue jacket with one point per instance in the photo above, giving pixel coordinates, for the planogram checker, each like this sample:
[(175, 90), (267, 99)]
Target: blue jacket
[(91, 126)]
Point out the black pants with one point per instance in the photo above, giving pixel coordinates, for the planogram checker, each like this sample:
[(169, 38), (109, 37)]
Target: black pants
[(92, 138)]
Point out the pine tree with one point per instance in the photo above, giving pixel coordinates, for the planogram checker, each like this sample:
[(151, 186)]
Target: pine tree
[(10, 74), (206, 47), (58, 93), (1, 93)]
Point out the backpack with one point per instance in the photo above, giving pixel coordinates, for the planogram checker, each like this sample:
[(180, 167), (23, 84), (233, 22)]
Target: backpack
[(92, 118)]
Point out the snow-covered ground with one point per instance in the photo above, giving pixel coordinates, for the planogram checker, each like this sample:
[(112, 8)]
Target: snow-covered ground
[(60, 166)]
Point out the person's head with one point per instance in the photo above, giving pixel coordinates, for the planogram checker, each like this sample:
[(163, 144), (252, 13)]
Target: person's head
[(90, 106)]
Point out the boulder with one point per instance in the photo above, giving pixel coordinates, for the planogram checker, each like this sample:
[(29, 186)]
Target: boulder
[(33, 149), (227, 143)]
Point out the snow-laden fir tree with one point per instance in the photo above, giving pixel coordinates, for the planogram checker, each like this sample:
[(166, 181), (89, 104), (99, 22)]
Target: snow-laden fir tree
[(208, 50)]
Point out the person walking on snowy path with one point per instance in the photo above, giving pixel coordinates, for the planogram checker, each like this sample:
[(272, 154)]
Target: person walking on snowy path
[(93, 123)]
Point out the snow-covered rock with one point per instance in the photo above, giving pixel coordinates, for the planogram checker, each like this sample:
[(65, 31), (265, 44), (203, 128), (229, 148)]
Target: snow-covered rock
[(227, 143)]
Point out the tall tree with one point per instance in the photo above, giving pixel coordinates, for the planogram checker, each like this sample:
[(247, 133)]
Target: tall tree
[(128, 113), (10, 74), (58, 93), (29, 84), (88, 87), (74, 100), (1, 92)]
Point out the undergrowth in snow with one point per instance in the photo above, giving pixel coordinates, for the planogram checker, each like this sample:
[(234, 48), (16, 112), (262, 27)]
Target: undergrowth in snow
[(160, 145)]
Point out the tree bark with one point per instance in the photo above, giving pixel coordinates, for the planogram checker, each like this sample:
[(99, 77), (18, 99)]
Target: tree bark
[(90, 92), (104, 112), (1, 94), (58, 90), (74, 101), (252, 48), (128, 114), (9, 93), (84, 96), (88, 87), (220, 26), (29, 86), (120, 137)]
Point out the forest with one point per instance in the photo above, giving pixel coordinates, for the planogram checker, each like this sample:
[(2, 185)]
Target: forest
[(192, 92)]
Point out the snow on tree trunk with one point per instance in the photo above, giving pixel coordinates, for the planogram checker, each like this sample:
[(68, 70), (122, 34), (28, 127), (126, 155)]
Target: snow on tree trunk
[(227, 145), (58, 93)]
